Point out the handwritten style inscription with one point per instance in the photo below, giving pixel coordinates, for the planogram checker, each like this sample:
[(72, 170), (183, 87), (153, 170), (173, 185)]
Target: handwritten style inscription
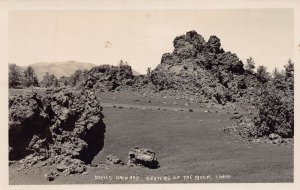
[(166, 178)]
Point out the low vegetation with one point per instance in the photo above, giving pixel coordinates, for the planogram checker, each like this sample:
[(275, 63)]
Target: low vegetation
[(276, 105)]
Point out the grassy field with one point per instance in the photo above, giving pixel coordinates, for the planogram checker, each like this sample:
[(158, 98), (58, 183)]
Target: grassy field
[(191, 146)]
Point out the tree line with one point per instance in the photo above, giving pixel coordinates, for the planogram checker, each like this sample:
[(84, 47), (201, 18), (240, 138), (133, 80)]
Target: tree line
[(27, 78), (18, 79), (24, 79)]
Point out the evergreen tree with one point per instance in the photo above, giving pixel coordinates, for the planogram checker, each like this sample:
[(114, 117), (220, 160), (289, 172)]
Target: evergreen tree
[(65, 80), (276, 105), (289, 69), (148, 71), (250, 65), (30, 78), (122, 63), (76, 77), (14, 76), (49, 81), (262, 74), (289, 74)]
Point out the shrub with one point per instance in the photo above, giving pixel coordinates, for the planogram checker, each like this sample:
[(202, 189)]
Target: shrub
[(276, 106)]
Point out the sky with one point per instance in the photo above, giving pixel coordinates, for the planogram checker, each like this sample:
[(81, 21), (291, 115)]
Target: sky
[(141, 36)]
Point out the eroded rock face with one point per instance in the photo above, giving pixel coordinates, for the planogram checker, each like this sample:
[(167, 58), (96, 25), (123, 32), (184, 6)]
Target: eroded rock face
[(58, 124), (143, 158)]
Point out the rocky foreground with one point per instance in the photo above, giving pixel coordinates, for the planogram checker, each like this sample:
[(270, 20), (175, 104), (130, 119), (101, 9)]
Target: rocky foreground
[(61, 126), (207, 152)]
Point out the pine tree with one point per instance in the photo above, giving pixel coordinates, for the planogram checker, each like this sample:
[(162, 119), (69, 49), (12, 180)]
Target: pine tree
[(30, 78), (250, 65), (14, 76), (49, 80), (276, 105), (289, 69), (262, 74), (76, 77), (148, 71)]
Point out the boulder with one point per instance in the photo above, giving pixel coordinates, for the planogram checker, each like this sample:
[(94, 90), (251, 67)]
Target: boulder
[(274, 136), (50, 176), (236, 116), (110, 159), (143, 158), (71, 166)]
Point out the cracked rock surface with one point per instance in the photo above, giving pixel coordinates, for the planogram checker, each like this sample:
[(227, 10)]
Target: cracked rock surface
[(62, 126)]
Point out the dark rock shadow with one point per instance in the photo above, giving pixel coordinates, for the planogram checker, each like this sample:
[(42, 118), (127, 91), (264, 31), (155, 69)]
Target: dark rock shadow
[(95, 140), (19, 139)]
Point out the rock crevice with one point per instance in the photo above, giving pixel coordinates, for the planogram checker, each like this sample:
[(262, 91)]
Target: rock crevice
[(58, 123)]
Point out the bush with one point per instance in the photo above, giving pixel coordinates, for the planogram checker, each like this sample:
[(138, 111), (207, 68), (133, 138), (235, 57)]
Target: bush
[(276, 106)]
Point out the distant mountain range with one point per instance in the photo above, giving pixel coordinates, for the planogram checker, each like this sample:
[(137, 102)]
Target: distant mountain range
[(60, 69)]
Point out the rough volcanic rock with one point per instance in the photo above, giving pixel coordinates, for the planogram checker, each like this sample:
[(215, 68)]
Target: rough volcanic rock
[(274, 136), (236, 116), (50, 176), (110, 159), (71, 166), (143, 158), (60, 124), (202, 70), (195, 69), (213, 45), (108, 78), (187, 46)]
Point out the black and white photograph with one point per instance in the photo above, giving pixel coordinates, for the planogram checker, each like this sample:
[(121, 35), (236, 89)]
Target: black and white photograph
[(150, 96)]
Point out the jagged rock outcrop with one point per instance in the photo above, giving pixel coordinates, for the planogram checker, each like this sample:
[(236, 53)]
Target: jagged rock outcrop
[(60, 126), (108, 78), (201, 68), (195, 68)]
